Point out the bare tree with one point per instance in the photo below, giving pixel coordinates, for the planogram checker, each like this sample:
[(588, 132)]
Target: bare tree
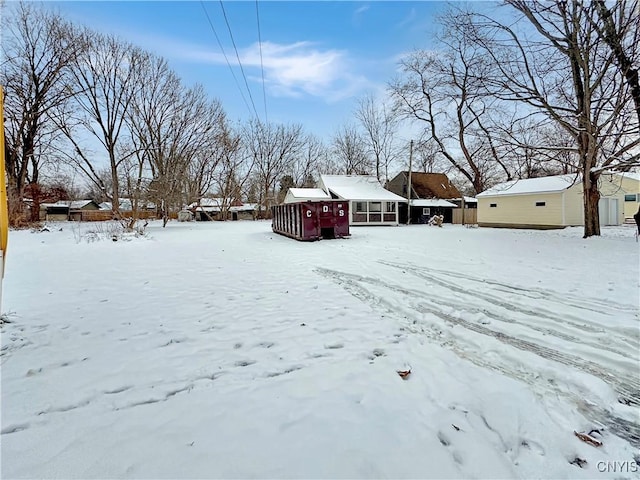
[(380, 125), (273, 149), (308, 165), (619, 27), (174, 127), (233, 171), (37, 52), (564, 68), (439, 89), (106, 77), (350, 151), (426, 158)]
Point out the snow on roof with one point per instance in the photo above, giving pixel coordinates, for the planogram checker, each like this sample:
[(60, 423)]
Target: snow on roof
[(71, 204), (551, 184), (358, 187), (309, 193), (631, 175), (470, 199), (431, 202)]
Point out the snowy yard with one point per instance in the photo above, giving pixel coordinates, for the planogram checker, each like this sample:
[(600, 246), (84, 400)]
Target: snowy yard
[(223, 350)]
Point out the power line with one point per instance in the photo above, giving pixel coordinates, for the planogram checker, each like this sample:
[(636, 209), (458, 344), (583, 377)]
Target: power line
[(264, 94), (226, 58), (238, 57)]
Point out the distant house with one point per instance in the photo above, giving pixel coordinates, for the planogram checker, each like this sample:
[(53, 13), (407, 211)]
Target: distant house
[(66, 210), (295, 195), (545, 203), (213, 209), (370, 203), (431, 194)]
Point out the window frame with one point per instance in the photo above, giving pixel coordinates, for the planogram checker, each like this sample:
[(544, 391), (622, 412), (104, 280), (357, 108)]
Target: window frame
[(371, 207), (358, 204)]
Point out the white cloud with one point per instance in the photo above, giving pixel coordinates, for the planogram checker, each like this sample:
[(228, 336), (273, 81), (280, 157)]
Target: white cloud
[(361, 9), (411, 16), (290, 70)]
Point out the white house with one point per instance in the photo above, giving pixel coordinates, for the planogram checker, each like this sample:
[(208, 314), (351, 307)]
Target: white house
[(546, 202), (369, 202)]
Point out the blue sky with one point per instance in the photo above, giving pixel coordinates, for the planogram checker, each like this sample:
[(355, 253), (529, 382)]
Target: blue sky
[(318, 57)]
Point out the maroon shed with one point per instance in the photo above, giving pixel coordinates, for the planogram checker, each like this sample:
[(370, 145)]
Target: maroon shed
[(312, 220)]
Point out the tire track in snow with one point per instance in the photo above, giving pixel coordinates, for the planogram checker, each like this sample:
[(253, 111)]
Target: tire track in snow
[(577, 322), (627, 387), (579, 328), (591, 304)]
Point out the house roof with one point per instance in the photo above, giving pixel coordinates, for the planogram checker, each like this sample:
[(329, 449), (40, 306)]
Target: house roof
[(433, 185), (556, 183), (70, 204), (125, 204), (215, 205), (431, 202), (631, 175), (309, 193), (358, 187)]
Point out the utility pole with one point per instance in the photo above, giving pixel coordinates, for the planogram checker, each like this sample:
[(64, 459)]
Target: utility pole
[(409, 186)]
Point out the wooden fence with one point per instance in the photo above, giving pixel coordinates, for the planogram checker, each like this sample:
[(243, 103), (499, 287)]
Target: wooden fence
[(104, 215), (470, 216)]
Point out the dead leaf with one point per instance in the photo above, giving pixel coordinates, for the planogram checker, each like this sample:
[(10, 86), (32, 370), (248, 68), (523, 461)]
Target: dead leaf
[(588, 439), (404, 374)]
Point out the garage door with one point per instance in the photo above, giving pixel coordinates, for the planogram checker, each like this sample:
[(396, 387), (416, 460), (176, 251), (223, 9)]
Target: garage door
[(608, 211)]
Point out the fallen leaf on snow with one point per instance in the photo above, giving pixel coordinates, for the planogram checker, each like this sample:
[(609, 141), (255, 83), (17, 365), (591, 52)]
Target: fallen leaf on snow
[(588, 439)]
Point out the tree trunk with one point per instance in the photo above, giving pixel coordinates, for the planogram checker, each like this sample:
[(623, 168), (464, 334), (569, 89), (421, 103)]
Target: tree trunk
[(591, 199), (15, 196)]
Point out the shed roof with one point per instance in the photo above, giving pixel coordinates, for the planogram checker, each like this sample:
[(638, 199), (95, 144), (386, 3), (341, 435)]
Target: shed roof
[(631, 175), (358, 187), (71, 204), (528, 186), (433, 185), (309, 193), (431, 202)]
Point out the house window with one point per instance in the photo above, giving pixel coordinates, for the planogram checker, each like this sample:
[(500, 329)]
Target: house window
[(540, 204), (361, 207), (493, 205), (375, 206), (426, 211), (390, 207), (630, 198)]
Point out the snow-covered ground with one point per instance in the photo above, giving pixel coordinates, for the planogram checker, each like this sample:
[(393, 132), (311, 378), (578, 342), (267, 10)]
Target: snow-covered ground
[(223, 350)]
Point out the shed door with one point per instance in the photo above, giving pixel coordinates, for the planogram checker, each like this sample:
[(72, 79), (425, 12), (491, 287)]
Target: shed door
[(608, 211)]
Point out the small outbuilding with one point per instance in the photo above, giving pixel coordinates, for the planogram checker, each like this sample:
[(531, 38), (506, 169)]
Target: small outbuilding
[(431, 194), (67, 210), (222, 209), (369, 202), (545, 203)]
